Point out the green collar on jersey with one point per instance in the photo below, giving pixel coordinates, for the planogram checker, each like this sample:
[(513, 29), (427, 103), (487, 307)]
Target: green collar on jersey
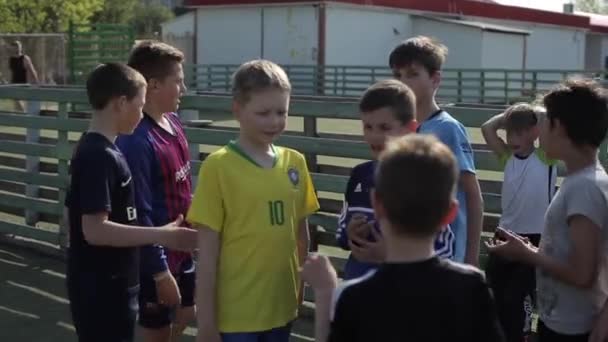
[(233, 145)]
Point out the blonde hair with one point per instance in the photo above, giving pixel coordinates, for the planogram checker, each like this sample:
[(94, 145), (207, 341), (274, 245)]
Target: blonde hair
[(258, 75)]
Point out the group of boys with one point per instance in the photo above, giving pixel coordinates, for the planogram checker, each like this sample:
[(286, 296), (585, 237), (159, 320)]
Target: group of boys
[(412, 216)]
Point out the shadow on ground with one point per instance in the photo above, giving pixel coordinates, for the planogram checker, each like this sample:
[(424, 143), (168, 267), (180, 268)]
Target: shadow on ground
[(34, 305)]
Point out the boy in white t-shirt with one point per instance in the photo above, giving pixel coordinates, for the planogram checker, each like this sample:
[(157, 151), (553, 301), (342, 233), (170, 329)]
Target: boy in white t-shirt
[(527, 189)]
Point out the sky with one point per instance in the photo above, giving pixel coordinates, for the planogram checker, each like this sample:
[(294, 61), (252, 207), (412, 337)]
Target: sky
[(550, 5)]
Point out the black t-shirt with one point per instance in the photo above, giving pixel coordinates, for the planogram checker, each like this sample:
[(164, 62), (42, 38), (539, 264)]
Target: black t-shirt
[(100, 182), (429, 301)]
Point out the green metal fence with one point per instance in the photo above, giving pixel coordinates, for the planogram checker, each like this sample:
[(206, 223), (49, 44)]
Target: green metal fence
[(90, 45), (34, 168), (497, 86)]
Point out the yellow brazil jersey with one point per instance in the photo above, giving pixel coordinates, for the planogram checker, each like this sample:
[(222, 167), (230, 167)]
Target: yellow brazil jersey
[(256, 211)]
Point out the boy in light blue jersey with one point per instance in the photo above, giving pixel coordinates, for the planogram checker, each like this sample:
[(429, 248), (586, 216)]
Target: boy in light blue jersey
[(417, 62)]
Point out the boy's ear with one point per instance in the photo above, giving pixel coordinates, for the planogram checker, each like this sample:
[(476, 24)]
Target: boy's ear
[(119, 103), (436, 78), (236, 108), (153, 84), (412, 126), (451, 214)]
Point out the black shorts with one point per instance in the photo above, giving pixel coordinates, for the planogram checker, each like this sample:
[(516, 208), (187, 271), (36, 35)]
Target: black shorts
[(155, 316), (103, 308)]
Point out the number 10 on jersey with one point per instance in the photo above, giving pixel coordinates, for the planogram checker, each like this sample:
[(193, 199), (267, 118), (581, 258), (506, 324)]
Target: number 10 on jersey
[(277, 214)]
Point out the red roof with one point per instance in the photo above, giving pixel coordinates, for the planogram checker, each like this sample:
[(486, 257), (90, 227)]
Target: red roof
[(477, 8)]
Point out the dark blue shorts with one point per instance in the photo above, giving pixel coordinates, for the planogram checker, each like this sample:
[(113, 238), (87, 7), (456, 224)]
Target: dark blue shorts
[(103, 308), (280, 334), (155, 316)]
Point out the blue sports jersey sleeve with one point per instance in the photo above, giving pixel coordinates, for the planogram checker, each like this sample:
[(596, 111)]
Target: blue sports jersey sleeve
[(140, 157), (341, 233), (95, 182), (454, 134)]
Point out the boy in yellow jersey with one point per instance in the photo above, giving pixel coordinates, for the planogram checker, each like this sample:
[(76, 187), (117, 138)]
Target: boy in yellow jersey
[(251, 205)]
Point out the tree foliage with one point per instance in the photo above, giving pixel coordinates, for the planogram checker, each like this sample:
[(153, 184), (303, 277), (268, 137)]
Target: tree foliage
[(30, 16), (116, 12), (148, 18), (591, 6)]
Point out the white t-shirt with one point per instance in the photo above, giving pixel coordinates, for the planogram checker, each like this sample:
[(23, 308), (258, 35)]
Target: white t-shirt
[(527, 189), (564, 308)]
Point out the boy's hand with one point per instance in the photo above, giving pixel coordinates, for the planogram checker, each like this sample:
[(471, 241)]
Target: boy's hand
[(167, 291), (319, 273), (179, 237), (357, 226), (510, 245), (368, 251)]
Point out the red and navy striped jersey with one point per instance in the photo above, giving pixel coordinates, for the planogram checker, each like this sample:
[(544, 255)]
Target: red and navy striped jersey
[(160, 165)]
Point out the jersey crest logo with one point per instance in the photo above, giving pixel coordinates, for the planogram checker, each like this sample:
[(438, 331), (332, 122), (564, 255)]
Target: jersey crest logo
[(358, 188), (294, 176)]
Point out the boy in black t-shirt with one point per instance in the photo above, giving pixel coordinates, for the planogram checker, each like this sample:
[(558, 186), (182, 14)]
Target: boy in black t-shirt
[(103, 261), (414, 295)]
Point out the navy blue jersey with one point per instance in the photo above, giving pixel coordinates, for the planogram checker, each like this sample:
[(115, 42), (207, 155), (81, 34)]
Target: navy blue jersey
[(100, 183), (357, 200)]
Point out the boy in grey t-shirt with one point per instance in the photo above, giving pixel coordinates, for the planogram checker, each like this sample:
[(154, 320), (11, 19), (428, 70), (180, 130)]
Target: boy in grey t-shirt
[(572, 260)]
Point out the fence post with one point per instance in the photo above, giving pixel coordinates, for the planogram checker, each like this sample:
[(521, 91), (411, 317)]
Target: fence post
[(62, 170), (32, 164)]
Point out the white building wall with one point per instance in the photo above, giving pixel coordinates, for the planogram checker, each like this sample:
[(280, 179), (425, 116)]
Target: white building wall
[(363, 36), (464, 43), (229, 35), (291, 35), (604, 64), (502, 51), (546, 42), (180, 26), (594, 52)]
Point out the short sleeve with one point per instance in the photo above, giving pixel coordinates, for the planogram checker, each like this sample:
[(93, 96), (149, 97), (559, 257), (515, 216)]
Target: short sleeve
[(309, 202), (207, 206), (586, 199), (455, 136), (96, 174)]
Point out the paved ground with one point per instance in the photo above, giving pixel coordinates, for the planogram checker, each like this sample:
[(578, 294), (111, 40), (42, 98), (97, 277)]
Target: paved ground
[(34, 306)]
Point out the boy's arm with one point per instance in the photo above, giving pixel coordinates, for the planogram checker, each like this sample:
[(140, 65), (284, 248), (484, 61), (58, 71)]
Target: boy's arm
[(206, 284), (470, 185), (100, 231), (600, 331), (581, 268), (31, 71), (342, 232), (490, 134), (140, 156)]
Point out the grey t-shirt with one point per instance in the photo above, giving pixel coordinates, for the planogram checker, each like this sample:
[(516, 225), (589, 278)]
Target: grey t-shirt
[(565, 308)]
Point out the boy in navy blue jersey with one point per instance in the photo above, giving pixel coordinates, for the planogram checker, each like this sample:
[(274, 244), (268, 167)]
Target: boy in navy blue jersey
[(158, 156), (103, 261), (387, 109)]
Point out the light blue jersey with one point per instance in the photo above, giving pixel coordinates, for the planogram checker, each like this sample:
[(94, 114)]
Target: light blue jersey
[(452, 133)]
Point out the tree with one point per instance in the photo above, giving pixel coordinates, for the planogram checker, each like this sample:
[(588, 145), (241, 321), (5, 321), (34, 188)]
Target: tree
[(29, 16), (590, 6), (148, 18), (116, 12)]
